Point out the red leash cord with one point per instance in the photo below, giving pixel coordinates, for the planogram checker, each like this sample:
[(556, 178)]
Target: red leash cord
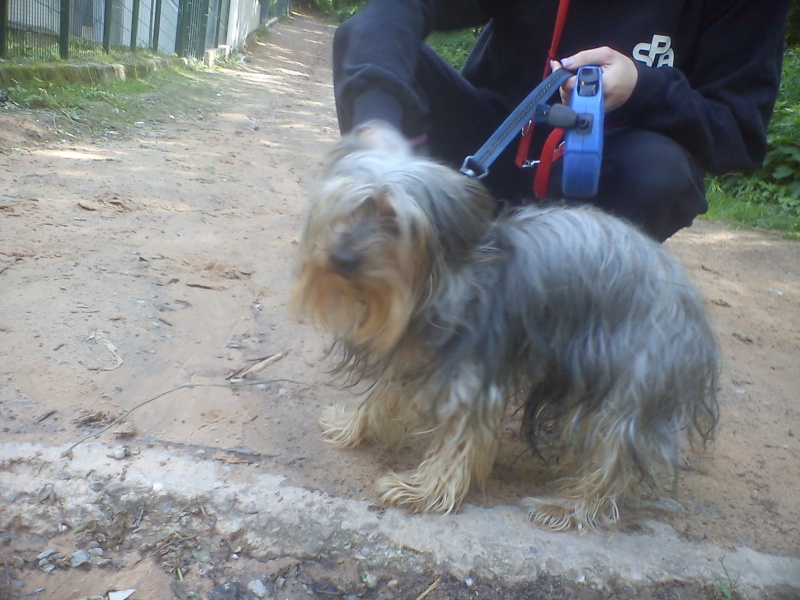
[(550, 151)]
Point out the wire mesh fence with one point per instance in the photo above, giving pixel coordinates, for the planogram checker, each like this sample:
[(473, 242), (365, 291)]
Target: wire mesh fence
[(52, 29), (274, 8)]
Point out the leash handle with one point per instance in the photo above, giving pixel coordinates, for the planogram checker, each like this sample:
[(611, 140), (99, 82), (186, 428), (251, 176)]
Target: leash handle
[(477, 165)]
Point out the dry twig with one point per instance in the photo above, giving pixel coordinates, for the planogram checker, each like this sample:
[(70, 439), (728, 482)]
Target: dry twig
[(68, 451), (430, 589)]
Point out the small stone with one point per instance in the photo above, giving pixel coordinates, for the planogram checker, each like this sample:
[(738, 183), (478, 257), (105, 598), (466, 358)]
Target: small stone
[(121, 452), (392, 583), (46, 553), (257, 588), (79, 558), (48, 568), (225, 591)]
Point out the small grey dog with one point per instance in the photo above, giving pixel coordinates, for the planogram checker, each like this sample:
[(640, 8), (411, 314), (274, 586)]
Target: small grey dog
[(455, 313)]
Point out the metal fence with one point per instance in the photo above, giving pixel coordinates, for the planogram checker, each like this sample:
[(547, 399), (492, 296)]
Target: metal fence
[(50, 29)]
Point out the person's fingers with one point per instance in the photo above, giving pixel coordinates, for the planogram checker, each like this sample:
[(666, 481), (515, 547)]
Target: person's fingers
[(619, 73), (565, 91), (593, 56)]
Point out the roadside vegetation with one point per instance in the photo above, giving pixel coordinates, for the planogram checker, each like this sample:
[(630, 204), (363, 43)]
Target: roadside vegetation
[(75, 109)]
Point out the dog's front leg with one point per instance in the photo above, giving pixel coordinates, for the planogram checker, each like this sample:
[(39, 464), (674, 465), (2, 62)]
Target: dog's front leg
[(384, 414), (464, 446)]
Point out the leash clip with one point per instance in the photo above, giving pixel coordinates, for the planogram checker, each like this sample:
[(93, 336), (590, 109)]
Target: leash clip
[(472, 168), (530, 164)]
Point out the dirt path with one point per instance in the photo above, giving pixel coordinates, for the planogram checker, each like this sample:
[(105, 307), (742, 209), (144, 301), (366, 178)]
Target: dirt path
[(149, 256)]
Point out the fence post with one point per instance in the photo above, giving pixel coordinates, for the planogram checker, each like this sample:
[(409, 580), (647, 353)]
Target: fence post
[(218, 23), (224, 17), (157, 26), (203, 30), (184, 22), (107, 18), (4, 8), (135, 23), (63, 31)]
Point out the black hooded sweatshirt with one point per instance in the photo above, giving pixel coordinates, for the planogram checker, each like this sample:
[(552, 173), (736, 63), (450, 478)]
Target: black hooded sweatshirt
[(709, 70)]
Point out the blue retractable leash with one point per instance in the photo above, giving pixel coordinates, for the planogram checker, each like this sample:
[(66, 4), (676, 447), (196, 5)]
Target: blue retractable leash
[(582, 120), (583, 143)]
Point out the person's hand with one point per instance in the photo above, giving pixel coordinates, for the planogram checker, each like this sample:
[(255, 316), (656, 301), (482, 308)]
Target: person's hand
[(619, 74)]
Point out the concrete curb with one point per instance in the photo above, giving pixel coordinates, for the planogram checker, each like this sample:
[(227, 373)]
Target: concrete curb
[(271, 518), (86, 73)]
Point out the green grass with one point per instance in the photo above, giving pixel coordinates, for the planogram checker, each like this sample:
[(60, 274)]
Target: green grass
[(117, 105), (81, 51), (748, 210), (454, 46), (73, 96), (726, 590)]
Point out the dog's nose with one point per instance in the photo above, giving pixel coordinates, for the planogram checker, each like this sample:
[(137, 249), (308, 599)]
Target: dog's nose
[(344, 261)]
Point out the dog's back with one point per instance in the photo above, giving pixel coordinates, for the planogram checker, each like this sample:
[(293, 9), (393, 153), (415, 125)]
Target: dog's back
[(614, 327)]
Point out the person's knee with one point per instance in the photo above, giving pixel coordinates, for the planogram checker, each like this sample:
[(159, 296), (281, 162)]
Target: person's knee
[(653, 181), (650, 162)]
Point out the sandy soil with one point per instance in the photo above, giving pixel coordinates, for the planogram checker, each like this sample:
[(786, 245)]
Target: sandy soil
[(139, 257)]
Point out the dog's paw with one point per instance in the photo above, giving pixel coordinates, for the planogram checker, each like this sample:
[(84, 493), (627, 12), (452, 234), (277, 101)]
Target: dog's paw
[(416, 493), (342, 426), (580, 514)]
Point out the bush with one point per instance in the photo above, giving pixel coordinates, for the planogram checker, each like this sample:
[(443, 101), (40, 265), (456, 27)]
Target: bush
[(339, 9), (793, 25), (777, 183)]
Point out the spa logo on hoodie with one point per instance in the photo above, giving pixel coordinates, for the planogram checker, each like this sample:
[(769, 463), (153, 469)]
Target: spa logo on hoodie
[(656, 53)]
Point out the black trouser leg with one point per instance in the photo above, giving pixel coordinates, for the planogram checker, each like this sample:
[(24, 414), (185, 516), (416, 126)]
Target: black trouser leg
[(456, 117), (648, 179)]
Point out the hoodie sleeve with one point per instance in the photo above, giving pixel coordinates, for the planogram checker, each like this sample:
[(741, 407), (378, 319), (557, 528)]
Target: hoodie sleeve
[(720, 107), (376, 52)]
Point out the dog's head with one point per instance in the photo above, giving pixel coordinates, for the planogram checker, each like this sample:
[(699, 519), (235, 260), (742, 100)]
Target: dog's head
[(384, 226)]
